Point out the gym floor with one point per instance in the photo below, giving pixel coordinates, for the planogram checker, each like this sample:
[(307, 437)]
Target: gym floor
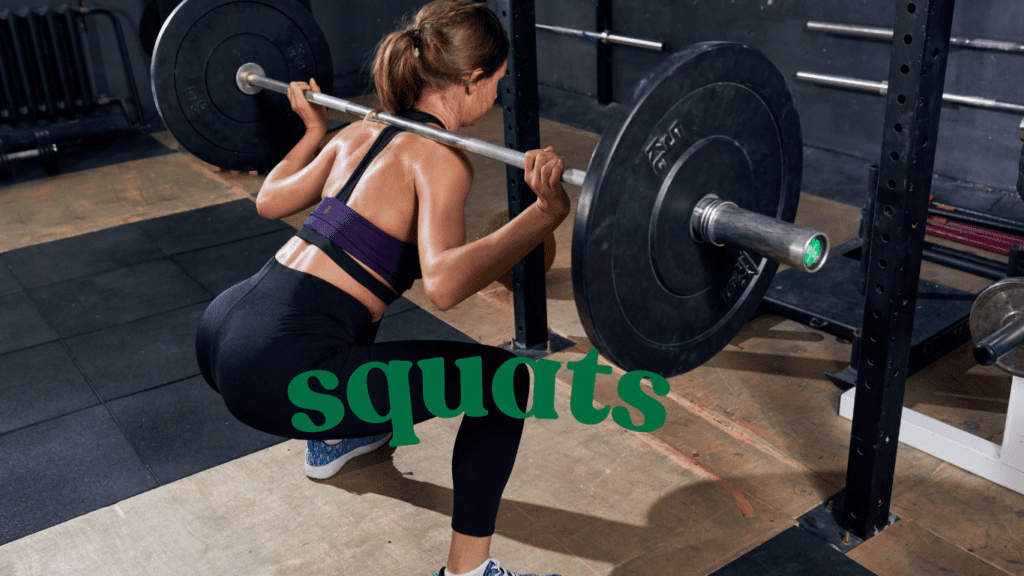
[(132, 466)]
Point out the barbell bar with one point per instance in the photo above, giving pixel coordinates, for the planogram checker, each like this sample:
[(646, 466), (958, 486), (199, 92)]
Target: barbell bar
[(882, 88), (605, 37), (879, 33), (714, 221)]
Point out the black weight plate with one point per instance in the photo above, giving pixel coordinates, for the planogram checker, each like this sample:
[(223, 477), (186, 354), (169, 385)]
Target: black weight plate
[(716, 118), (200, 48)]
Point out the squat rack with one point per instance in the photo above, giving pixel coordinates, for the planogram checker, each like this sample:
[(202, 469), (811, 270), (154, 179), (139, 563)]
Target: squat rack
[(896, 237)]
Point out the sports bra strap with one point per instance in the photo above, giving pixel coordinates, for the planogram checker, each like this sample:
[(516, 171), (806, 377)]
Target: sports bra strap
[(379, 144)]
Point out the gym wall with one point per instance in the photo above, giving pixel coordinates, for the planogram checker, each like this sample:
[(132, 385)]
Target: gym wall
[(975, 145)]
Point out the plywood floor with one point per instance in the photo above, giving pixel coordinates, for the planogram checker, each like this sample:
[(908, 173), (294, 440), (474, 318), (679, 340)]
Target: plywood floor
[(751, 442)]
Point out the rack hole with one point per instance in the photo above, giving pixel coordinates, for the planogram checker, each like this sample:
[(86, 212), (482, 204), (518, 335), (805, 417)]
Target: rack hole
[(905, 69), (891, 184), (868, 384), (901, 99), (913, 224), (876, 313), (883, 263), (896, 156), (911, 7), (885, 237), (880, 289), (873, 338), (888, 210), (924, 141), (897, 128), (935, 53), (908, 39)]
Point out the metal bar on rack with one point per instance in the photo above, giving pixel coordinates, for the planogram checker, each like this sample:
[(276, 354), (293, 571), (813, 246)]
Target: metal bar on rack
[(886, 34), (882, 88), (605, 37)]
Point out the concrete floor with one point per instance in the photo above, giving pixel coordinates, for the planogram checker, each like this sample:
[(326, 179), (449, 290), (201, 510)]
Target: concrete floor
[(751, 442)]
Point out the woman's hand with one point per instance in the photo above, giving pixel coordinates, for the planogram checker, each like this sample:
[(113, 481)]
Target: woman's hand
[(544, 175), (314, 116)]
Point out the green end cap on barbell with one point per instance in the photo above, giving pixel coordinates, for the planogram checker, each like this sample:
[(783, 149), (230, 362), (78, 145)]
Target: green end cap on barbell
[(813, 252)]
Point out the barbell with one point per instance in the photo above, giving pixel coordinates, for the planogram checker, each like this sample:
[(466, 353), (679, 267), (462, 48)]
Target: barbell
[(685, 212)]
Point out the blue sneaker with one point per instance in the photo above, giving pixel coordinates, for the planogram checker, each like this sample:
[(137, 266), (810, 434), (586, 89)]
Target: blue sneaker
[(492, 569), (324, 459)]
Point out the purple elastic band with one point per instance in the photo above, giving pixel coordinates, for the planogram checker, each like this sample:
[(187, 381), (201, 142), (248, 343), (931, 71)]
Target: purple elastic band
[(357, 236)]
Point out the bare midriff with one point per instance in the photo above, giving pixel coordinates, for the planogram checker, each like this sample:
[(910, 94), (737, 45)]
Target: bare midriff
[(302, 256)]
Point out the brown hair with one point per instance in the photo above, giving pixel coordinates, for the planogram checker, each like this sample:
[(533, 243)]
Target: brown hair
[(455, 38)]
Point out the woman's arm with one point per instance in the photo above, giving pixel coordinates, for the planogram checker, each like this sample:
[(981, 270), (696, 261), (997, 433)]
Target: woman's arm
[(297, 182), (453, 270)]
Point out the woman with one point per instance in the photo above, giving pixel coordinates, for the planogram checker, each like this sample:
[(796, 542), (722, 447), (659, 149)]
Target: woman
[(398, 216)]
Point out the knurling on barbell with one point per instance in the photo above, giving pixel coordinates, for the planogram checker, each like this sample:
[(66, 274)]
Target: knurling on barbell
[(684, 214)]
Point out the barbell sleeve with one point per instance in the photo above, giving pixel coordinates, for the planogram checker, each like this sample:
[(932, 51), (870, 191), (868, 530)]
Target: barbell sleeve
[(252, 75), (882, 88), (719, 222), (1000, 342)]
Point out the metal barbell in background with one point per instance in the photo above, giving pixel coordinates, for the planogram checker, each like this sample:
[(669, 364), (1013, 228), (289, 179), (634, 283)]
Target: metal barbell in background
[(606, 37), (882, 88), (685, 212), (879, 33), (45, 150)]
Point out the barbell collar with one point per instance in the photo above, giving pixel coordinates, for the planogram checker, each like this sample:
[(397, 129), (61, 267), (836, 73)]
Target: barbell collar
[(251, 78), (999, 343), (719, 222)]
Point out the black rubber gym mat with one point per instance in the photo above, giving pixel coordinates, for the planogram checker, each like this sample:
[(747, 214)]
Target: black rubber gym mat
[(794, 552), (100, 396)]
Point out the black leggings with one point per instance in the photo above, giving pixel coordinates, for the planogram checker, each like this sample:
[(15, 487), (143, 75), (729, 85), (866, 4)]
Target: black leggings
[(261, 333)]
